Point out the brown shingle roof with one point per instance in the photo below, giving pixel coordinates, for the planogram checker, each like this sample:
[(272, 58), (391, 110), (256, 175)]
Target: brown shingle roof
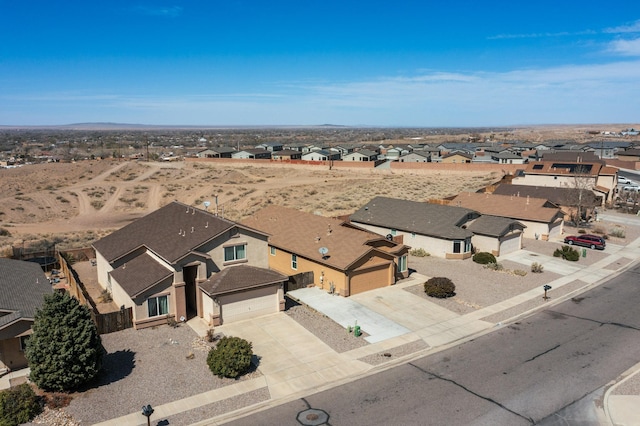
[(241, 277), (305, 233), (140, 274), (170, 232), (569, 168), (520, 208), (559, 196)]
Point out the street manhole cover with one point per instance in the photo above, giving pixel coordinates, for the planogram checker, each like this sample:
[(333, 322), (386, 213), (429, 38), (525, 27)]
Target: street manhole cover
[(313, 417)]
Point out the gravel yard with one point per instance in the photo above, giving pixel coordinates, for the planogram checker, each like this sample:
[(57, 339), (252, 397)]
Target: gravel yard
[(324, 328), (150, 366), (476, 286)]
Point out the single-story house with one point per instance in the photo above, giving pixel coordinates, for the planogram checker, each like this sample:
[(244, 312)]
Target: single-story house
[(342, 259), (440, 230), (271, 146), (253, 154), (321, 155), (542, 219), (286, 154), (415, 157), (173, 263), (457, 157), (219, 152), (362, 155), (22, 289)]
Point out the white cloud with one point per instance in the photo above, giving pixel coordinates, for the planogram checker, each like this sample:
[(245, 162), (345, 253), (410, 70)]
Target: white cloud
[(631, 28), (625, 47)]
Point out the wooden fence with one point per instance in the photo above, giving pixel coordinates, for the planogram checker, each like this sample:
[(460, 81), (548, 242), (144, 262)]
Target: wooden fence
[(105, 322)]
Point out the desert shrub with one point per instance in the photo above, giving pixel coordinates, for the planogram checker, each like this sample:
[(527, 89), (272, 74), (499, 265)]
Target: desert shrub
[(567, 253), (57, 400), (230, 358), (19, 405), (440, 287), (519, 272), (484, 257), (537, 268), (617, 232), (105, 297), (582, 231), (494, 266), (419, 252), (4, 232)]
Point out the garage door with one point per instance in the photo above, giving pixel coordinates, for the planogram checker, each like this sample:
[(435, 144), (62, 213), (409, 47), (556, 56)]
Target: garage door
[(371, 278), (249, 304), (510, 244)]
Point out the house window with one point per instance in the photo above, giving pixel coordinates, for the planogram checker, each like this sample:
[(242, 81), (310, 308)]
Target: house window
[(272, 250), (467, 246), (456, 246), (23, 342), (413, 235), (238, 252), (402, 263), (294, 261), (158, 306)]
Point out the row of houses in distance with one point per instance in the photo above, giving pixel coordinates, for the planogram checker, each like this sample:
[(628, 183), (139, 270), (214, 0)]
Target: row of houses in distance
[(454, 152)]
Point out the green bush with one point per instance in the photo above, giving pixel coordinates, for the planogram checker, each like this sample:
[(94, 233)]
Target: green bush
[(617, 232), (19, 405), (230, 358), (567, 253), (440, 287), (484, 257), (65, 350)]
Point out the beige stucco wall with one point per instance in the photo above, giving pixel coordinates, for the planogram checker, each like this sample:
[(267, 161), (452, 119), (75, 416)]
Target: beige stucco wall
[(11, 356), (434, 246), (486, 244)]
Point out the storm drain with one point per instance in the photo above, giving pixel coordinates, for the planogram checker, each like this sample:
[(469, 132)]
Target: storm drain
[(313, 417)]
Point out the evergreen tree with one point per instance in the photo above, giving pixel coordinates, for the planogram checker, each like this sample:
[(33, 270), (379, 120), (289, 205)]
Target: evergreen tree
[(65, 349)]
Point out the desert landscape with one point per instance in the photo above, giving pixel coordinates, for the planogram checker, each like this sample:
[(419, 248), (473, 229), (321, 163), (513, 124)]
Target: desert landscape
[(73, 204)]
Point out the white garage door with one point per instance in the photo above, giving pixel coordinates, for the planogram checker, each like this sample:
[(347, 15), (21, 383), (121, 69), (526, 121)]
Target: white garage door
[(511, 244), (249, 304)]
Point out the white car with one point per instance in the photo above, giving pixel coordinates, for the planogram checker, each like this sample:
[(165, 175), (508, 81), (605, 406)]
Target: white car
[(634, 188), (623, 180)]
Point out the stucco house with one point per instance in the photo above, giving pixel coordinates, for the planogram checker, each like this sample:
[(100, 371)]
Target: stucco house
[(254, 154), (286, 154), (457, 157), (440, 230), (362, 155), (218, 152), (342, 259), (321, 155), (595, 176), (568, 199), (180, 262), (22, 289), (541, 218)]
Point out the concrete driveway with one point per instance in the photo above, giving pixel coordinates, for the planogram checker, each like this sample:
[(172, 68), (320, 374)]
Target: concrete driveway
[(291, 358)]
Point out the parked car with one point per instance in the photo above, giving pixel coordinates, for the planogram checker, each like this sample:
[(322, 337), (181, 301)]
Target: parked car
[(630, 188), (623, 180), (586, 240)]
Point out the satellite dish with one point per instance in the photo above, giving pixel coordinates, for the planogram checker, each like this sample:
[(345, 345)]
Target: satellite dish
[(206, 204), (389, 237), (323, 251)]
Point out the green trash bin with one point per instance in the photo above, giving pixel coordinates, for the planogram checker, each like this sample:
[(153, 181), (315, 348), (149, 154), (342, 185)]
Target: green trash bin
[(584, 252), (356, 331)]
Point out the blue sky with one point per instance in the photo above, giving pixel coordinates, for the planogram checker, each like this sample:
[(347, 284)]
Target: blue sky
[(283, 62)]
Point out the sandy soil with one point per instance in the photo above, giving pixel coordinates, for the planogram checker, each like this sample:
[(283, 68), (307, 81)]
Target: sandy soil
[(75, 204)]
